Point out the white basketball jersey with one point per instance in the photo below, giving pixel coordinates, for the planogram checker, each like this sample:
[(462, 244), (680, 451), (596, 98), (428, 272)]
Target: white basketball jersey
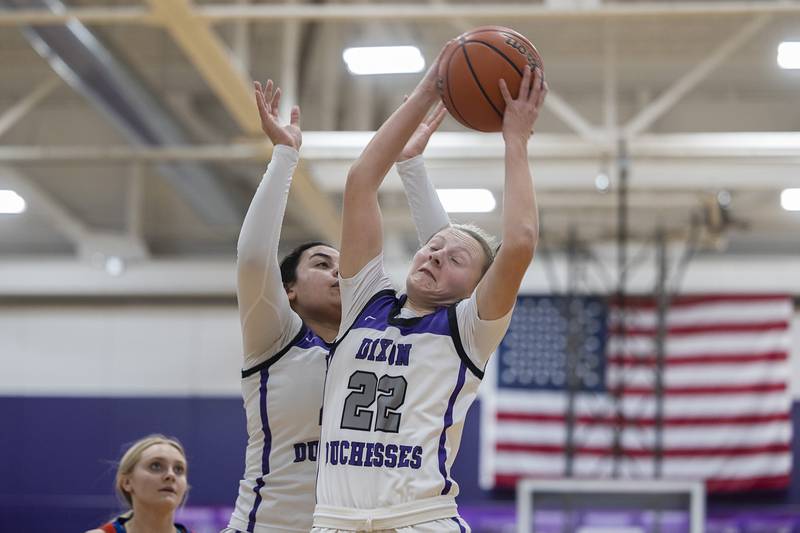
[(396, 396), (282, 399)]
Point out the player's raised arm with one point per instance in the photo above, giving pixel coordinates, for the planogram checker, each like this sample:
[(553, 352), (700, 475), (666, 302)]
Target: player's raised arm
[(426, 209), (263, 305), (497, 291), (362, 231)]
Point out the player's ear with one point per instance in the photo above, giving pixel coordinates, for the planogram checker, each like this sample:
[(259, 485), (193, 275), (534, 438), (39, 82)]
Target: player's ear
[(290, 292)]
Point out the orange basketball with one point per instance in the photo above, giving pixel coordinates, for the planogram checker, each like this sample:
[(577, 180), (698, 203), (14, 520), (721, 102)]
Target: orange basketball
[(470, 71)]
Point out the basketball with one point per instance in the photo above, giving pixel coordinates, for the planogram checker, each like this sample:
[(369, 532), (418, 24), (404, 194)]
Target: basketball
[(472, 67)]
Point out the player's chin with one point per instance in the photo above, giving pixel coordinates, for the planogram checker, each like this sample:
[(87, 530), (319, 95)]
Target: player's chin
[(434, 296), (421, 291), (169, 500)]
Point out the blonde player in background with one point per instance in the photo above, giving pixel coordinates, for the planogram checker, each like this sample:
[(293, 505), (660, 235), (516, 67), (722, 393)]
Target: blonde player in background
[(405, 368), (289, 313), (151, 481)]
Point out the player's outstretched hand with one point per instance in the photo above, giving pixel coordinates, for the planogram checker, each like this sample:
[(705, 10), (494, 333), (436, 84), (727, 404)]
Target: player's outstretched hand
[(521, 113), (429, 84), (419, 140), (267, 101)]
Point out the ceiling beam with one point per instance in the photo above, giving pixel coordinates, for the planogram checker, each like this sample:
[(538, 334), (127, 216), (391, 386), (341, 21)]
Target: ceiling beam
[(610, 82), (329, 55), (232, 86), (645, 118), (575, 120), (209, 55), (241, 42), (344, 146), (398, 11), (87, 15), (290, 60), (27, 103)]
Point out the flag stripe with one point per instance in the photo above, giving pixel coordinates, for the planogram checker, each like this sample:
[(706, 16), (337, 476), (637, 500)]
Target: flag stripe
[(650, 421), (711, 313), (738, 375), (753, 483), (599, 404), (703, 300), (642, 452), (740, 467), (699, 359), (644, 436), (721, 389), (712, 485), (674, 331), (709, 343)]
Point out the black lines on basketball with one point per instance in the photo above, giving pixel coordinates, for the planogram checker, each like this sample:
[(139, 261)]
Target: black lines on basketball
[(478, 82), (501, 54), (449, 86)]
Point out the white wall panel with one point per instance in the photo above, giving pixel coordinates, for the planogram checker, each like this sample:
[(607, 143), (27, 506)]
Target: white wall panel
[(120, 350)]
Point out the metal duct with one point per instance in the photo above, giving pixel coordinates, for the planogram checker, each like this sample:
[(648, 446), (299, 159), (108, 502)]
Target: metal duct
[(88, 67)]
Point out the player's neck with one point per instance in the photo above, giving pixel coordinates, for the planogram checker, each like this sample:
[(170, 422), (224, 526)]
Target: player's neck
[(325, 330), (419, 309), (150, 522)]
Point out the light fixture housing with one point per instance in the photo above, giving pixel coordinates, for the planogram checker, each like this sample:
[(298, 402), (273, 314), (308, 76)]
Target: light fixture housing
[(467, 200), (368, 60)]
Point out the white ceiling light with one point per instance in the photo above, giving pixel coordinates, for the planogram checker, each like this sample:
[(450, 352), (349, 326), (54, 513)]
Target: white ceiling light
[(11, 203), (789, 55), (383, 60), (790, 199), (467, 200), (115, 265), (602, 182)]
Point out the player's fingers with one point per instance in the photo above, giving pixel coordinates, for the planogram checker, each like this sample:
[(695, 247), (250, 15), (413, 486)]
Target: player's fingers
[(438, 116), (525, 84), (276, 100), (429, 118), (268, 88), (542, 95), (295, 116), (504, 91), (536, 85), (260, 103)]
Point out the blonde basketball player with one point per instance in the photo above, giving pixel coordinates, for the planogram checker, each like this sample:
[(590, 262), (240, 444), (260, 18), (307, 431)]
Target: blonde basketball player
[(151, 481), (405, 368), (289, 313)]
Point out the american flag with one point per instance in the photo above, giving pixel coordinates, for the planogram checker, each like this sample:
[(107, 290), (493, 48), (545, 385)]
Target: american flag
[(723, 416)]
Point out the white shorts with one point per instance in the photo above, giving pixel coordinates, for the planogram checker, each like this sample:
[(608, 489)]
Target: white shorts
[(445, 525)]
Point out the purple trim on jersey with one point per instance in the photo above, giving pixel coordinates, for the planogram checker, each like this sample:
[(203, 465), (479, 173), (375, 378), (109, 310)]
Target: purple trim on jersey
[(452, 318), (311, 340), (382, 312), (251, 524), (375, 314), (448, 421), (460, 525)]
